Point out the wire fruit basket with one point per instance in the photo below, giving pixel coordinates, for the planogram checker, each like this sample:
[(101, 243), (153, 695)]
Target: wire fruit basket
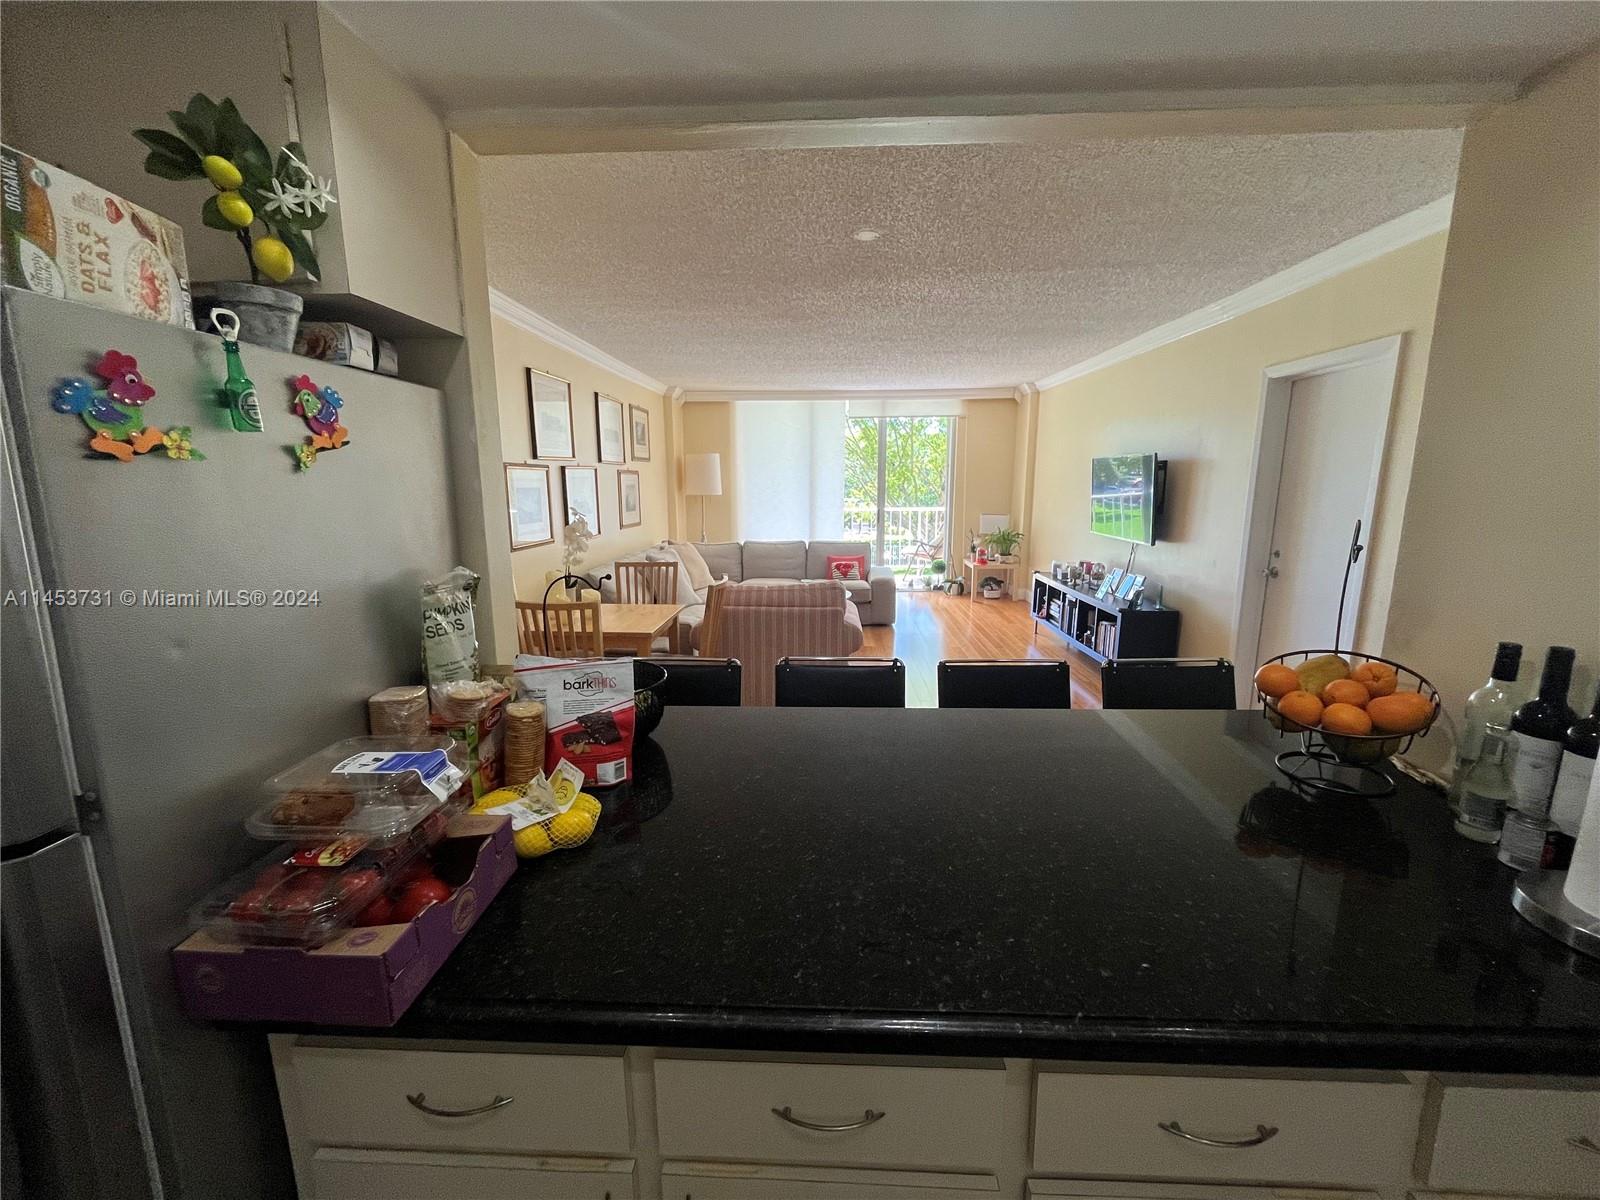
[(1346, 764), (1343, 763)]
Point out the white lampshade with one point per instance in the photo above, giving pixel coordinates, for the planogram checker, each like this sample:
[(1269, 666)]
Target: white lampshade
[(702, 474)]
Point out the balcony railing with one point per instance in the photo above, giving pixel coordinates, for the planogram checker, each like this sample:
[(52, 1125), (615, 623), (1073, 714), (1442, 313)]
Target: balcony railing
[(911, 535)]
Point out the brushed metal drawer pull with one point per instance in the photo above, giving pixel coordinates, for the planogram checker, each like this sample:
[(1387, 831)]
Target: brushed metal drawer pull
[(1584, 1142), (786, 1114), (420, 1101), (1263, 1133)]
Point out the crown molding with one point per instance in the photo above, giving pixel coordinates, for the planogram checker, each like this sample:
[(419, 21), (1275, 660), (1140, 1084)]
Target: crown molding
[(1364, 247), (523, 317), (722, 395)]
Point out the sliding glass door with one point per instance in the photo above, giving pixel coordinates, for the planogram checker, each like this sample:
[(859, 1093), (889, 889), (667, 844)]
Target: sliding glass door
[(897, 489)]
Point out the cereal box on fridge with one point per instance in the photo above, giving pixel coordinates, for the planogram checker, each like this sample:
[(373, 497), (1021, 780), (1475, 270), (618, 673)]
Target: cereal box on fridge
[(66, 237)]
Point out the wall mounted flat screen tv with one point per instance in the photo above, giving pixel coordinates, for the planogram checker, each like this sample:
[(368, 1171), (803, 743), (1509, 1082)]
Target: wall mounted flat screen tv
[(1125, 496)]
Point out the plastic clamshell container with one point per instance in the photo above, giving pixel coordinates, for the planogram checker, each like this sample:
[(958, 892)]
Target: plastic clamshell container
[(377, 788), (288, 899)]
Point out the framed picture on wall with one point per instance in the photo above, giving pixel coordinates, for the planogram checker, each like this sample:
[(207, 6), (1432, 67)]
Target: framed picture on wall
[(582, 488), (528, 498), (610, 423), (550, 415), (630, 504), (639, 432)]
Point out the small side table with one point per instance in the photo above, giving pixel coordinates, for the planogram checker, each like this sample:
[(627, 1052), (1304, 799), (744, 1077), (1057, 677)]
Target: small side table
[(975, 570)]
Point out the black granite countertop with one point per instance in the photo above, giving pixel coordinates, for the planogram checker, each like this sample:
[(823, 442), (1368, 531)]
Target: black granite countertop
[(1081, 885)]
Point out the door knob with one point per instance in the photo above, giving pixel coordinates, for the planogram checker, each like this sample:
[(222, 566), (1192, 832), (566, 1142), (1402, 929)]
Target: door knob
[(1269, 572)]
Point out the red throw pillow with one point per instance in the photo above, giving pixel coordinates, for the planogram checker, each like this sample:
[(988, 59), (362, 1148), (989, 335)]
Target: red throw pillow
[(847, 566)]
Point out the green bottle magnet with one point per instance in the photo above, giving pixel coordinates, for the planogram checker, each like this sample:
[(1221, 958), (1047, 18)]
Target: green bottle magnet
[(238, 390)]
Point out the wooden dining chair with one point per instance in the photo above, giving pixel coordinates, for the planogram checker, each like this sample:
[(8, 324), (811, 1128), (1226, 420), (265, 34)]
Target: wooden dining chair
[(573, 630), (641, 582), (708, 641)]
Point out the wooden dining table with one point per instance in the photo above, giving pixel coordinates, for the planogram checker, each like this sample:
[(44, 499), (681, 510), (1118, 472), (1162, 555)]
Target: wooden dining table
[(635, 627)]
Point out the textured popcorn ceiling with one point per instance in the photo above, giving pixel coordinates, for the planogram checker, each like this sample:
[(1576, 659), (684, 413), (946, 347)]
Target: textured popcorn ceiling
[(998, 264)]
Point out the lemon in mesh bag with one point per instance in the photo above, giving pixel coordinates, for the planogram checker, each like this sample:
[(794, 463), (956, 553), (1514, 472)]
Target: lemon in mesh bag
[(542, 821)]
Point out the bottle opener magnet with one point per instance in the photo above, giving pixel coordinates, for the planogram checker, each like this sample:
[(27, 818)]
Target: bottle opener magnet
[(238, 390)]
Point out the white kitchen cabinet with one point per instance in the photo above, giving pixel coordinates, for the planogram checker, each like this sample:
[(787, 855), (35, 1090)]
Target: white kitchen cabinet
[(339, 1173), (749, 1181), (1523, 1136), (587, 1124), (1271, 1127), (871, 1115), (1039, 1189)]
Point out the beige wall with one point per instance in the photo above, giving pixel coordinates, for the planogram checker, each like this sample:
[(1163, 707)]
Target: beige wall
[(984, 470), (515, 349), (1196, 402), (1500, 539), (708, 429)]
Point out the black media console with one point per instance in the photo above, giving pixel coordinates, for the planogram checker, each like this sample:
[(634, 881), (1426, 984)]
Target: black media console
[(1103, 628)]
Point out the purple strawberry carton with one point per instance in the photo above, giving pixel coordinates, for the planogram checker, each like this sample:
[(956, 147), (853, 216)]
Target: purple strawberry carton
[(364, 976)]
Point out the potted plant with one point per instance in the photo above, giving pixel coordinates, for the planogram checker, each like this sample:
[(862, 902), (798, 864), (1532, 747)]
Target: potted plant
[(1003, 543), (938, 567), (270, 204)]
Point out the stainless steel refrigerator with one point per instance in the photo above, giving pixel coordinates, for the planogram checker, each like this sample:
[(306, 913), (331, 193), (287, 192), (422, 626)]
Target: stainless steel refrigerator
[(137, 724)]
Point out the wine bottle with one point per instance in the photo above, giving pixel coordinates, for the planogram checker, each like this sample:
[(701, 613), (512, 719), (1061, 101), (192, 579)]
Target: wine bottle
[(1491, 704), (1538, 731), (1579, 749), (1485, 790)]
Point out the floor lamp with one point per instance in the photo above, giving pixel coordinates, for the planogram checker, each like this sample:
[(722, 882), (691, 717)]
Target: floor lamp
[(702, 476)]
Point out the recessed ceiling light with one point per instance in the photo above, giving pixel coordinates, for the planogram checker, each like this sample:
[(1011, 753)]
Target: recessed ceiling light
[(866, 235)]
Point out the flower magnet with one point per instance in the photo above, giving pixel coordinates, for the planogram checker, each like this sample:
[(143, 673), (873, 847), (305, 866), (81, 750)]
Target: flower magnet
[(114, 410)]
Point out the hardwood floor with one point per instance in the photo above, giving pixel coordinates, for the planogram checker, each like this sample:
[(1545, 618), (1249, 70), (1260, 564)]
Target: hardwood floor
[(930, 626)]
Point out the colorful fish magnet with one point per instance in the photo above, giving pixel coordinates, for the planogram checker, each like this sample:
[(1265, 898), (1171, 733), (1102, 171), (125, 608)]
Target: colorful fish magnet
[(319, 408), (238, 390), (114, 411)]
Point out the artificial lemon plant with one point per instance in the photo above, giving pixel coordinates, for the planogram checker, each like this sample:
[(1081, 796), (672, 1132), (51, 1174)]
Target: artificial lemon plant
[(284, 197)]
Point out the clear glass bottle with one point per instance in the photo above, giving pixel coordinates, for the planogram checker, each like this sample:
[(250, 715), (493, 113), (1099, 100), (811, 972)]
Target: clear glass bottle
[(1538, 732), (1485, 792), (1491, 704)]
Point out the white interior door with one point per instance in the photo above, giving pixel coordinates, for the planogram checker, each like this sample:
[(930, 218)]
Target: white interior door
[(1333, 443)]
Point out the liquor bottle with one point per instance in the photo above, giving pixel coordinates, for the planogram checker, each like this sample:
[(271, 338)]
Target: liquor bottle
[(1538, 731), (1579, 749), (1491, 704), (1485, 789)]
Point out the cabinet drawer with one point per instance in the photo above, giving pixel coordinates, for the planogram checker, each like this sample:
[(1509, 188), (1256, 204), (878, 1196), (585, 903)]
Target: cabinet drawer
[(338, 1173), (931, 1116), (1351, 1133), (1494, 1137), (560, 1103), (749, 1181), (1039, 1189)]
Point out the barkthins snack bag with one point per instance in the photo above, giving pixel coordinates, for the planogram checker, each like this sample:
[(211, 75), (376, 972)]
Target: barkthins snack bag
[(589, 712)]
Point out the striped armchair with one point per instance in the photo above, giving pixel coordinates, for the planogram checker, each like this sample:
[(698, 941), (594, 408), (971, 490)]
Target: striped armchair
[(760, 623)]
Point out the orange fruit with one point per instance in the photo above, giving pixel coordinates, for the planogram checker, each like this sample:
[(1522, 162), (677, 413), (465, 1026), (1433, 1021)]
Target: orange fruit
[(1403, 712), (1378, 678), (1346, 718), (1299, 710), (1345, 691), (1276, 679)]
